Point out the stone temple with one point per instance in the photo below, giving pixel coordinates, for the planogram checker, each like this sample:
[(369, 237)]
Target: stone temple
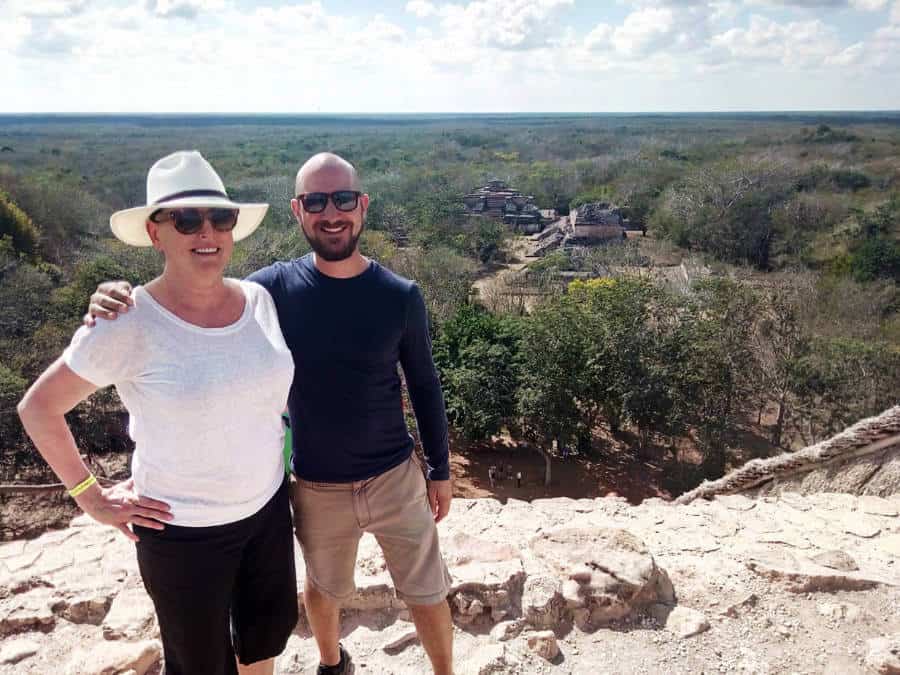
[(495, 199)]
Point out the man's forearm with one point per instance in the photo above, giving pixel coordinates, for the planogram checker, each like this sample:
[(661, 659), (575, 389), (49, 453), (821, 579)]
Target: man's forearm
[(431, 420)]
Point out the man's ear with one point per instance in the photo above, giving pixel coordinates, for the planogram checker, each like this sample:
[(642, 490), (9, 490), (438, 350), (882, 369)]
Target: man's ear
[(295, 208), (364, 204)]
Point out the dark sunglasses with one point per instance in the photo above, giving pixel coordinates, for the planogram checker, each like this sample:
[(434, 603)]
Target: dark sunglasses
[(343, 200), (190, 221)]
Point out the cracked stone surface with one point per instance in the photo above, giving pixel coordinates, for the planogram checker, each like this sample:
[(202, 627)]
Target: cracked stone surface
[(779, 583)]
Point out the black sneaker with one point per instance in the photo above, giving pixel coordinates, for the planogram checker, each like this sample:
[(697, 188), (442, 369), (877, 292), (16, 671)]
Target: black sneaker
[(343, 667)]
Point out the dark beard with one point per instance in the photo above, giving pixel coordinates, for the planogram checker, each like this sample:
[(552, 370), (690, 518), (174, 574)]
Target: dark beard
[(330, 254)]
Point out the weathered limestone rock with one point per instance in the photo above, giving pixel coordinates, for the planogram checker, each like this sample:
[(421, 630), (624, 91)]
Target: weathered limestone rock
[(736, 502), (742, 606), (399, 637), (487, 577), (804, 576), (861, 526), (836, 560), (562, 565), (507, 630), (877, 506), (26, 612), (111, 658), (606, 571), (13, 651), (840, 611), (373, 594), (14, 584), (890, 545), (682, 621), (85, 608), (883, 654), (542, 602), (543, 644), (131, 615)]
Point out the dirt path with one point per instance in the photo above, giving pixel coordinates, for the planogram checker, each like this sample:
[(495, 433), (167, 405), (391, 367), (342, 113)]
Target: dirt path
[(518, 249)]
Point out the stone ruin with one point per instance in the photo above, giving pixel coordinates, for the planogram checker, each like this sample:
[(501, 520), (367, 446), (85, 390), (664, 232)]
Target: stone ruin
[(495, 199), (783, 580)]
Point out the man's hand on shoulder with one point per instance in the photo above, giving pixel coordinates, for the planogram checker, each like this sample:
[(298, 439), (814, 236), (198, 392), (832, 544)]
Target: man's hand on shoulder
[(440, 494), (110, 298)]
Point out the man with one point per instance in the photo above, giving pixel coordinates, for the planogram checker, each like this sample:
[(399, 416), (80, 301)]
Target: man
[(348, 321)]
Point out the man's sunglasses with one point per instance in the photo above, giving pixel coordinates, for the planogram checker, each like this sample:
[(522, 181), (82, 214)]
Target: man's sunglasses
[(343, 200), (190, 221)]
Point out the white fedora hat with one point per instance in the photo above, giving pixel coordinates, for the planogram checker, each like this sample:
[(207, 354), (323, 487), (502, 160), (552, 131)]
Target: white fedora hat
[(183, 179)]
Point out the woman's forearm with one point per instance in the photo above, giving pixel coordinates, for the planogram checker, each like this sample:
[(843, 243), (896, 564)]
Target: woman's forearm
[(54, 441), (42, 411)]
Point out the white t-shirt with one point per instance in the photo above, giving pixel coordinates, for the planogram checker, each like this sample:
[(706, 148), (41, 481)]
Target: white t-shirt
[(205, 403)]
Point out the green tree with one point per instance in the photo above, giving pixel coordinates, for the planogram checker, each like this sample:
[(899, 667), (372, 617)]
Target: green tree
[(715, 370), (874, 258), (553, 376), (16, 225), (70, 301), (12, 388), (841, 380), (726, 210), (476, 353)]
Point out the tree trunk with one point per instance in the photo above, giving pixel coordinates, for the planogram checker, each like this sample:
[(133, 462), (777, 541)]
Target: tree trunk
[(779, 423), (547, 458)]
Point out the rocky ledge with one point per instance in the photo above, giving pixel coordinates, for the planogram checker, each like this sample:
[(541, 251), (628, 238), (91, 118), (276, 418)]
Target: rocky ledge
[(778, 584)]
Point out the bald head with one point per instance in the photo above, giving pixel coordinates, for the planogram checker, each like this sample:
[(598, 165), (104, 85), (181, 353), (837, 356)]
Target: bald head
[(326, 163)]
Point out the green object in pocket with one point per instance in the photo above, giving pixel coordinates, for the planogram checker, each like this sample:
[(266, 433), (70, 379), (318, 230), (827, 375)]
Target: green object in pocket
[(288, 443)]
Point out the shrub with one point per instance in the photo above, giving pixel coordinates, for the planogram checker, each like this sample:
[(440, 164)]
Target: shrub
[(850, 179), (16, 225)]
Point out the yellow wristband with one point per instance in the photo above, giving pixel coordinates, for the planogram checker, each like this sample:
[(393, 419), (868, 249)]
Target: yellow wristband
[(83, 485)]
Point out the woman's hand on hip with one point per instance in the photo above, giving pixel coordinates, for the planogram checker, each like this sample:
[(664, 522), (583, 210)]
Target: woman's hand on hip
[(119, 505)]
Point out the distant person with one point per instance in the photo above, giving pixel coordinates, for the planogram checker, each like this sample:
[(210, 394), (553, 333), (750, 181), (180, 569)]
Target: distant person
[(518, 479), (202, 367), (509, 471), (492, 472), (348, 322)]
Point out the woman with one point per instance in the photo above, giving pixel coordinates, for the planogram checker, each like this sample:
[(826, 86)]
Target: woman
[(202, 367)]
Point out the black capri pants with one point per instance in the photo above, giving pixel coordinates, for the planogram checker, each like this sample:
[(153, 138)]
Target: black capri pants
[(222, 591)]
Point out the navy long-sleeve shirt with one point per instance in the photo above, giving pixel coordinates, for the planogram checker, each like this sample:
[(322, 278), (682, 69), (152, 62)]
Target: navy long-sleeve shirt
[(347, 337)]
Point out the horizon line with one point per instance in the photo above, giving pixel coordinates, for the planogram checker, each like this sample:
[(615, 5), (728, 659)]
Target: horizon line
[(457, 113)]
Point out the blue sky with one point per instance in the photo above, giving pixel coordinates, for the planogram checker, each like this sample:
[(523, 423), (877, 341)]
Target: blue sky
[(465, 56)]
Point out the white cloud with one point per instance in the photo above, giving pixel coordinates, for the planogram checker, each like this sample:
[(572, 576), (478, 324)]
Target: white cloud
[(53, 8), (600, 38), (186, 9), (502, 24), (421, 8), (14, 32), (895, 12), (794, 44), (861, 5), (476, 55), (642, 30), (850, 56), (869, 5)]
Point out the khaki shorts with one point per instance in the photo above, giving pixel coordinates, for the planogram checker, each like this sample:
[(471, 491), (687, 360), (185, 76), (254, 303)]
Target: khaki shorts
[(330, 518)]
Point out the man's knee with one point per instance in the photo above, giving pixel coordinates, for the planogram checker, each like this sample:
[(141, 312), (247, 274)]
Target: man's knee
[(322, 598)]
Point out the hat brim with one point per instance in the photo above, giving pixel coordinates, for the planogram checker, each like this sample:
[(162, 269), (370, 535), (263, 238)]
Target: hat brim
[(130, 225)]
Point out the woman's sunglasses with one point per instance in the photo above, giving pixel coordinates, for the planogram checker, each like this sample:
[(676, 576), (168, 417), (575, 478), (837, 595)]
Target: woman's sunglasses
[(343, 200), (190, 221)]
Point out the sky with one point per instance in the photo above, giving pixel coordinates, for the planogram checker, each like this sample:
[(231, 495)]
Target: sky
[(419, 56)]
